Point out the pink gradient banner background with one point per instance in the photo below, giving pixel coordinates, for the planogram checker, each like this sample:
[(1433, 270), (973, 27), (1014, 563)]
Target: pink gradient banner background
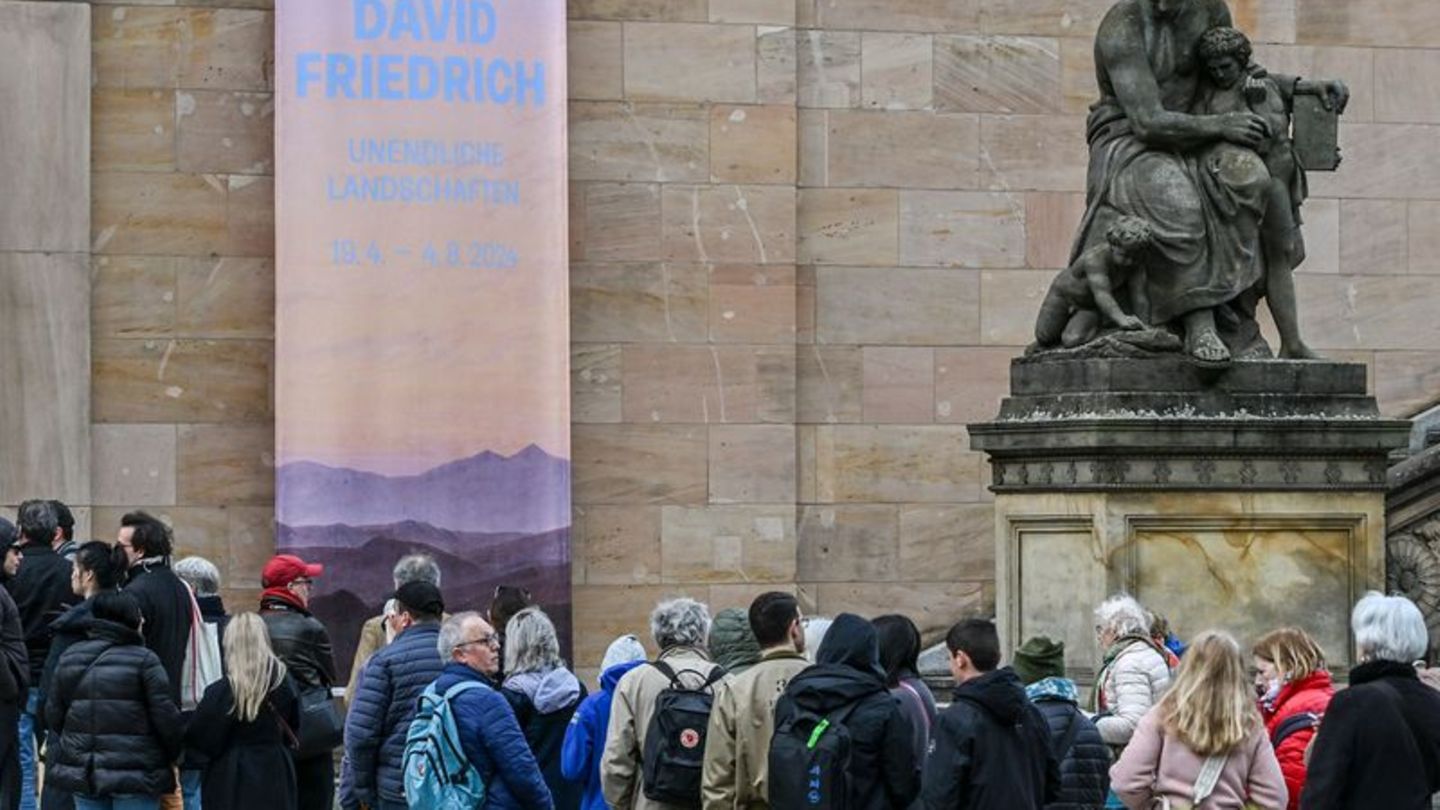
[(422, 382)]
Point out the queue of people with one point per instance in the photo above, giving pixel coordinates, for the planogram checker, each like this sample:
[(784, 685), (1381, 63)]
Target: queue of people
[(139, 690)]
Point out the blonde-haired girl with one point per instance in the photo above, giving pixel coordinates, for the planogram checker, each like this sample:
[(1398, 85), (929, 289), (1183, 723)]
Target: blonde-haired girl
[(245, 723), (1203, 746)]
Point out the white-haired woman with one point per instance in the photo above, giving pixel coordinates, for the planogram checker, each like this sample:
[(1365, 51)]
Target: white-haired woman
[(544, 695), (1379, 744), (1134, 673), (245, 725)]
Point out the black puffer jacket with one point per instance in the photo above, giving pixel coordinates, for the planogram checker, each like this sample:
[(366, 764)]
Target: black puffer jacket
[(120, 731), (165, 603), (301, 641), (41, 589), (1085, 767), (883, 770), (991, 750)]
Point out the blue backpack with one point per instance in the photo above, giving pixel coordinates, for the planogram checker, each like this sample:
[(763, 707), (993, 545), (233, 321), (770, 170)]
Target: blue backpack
[(438, 776)]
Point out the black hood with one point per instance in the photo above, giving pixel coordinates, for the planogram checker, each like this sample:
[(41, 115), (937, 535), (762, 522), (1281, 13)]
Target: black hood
[(847, 667), (1000, 693)]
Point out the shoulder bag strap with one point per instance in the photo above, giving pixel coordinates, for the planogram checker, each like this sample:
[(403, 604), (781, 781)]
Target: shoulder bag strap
[(291, 740), (1208, 778), (1071, 732), (924, 713)]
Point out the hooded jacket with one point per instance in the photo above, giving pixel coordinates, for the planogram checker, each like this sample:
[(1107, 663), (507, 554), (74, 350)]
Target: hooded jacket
[(494, 744), (544, 703), (1085, 764), (1310, 694), (742, 721), (585, 737), (883, 772), (991, 750), (376, 726), (732, 642), (70, 628)]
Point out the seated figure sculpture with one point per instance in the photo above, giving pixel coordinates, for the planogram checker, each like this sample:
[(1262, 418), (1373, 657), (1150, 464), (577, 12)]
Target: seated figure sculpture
[(1085, 291)]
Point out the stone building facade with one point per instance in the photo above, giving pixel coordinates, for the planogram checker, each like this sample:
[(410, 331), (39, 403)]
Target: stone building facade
[(807, 236)]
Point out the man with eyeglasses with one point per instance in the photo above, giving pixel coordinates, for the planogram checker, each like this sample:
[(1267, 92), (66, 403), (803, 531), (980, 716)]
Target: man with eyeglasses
[(489, 733)]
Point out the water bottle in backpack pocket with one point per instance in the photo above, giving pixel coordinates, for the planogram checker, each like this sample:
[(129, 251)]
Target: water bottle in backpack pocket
[(438, 775), (810, 760), (674, 754)]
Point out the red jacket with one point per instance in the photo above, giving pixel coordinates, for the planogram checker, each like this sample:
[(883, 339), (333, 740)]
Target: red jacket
[(1310, 694)]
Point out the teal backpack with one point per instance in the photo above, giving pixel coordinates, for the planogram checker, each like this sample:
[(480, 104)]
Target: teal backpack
[(437, 774)]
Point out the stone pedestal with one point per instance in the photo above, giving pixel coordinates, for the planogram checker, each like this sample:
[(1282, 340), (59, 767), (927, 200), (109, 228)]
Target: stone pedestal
[(1243, 498)]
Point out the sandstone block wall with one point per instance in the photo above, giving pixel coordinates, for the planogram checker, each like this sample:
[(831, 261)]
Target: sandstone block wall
[(807, 236)]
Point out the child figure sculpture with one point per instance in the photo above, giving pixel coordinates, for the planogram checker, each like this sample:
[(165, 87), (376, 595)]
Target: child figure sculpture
[(1085, 291), (1238, 85)]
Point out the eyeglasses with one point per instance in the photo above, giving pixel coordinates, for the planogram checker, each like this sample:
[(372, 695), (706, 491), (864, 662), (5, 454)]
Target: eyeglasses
[(302, 581), (489, 641)]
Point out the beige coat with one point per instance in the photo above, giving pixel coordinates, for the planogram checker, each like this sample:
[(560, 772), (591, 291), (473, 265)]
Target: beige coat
[(737, 744), (630, 711), (1130, 686), (372, 638)]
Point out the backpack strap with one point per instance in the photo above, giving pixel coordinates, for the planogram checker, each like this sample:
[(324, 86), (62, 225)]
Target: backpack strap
[(1293, 724), (673, 675), (1067, 740)]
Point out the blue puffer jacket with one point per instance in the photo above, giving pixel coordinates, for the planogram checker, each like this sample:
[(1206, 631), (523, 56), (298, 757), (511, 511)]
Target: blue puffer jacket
[(380, 717), (585, 738), (495, 745), (1085, 768)]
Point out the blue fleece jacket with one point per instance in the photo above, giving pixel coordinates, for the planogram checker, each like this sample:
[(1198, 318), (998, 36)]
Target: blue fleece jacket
[(380, 717), (585, 738), (494, 744)]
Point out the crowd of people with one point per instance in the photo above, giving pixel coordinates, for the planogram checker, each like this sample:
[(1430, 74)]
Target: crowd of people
[(125, 684)]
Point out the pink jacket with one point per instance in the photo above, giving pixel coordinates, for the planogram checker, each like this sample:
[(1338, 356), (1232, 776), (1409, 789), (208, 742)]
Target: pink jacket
[(1155, 765)]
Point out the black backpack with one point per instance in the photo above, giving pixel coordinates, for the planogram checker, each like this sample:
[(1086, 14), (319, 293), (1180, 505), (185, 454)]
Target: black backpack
[(810, 760), (675, 739)]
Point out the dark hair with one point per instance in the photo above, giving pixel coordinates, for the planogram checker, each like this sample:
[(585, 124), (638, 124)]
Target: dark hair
[(105, 561), (509, 600), (116, 606), (978, 639), (899, 646), (151, 537), (771, 615), (37, 522), (1223, 41), (1131, 233), (65, 519)]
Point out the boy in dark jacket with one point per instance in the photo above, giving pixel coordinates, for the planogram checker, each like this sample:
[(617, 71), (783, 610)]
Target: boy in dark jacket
[(882, 768), (585, 738), (991, 748), (1084, 757)]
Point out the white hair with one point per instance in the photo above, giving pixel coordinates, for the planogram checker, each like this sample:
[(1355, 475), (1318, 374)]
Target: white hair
[(1389, 628), (200, 574), (452, 633), (815, 629), (680, 623), (531, 644), (416, 568), (1123, 616)]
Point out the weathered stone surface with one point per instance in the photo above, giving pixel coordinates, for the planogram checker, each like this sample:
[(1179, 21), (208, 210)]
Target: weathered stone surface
[(225, 132), (708, 384), (1355, 66), (997, 74), (641, 142), (603, 612), (627, 303), (1406, 382), (181, 380), (1009, 302), (1078, 89), (596, 59), (622, 544), (899, 15), (1046, 153), (250, 541), (1374, 237), (133, 296), (772, 12), (752, 144), (1322, 236), (1051, 220), (45, 418), (894, 464), (45, 48), (947, 542), (752, 464), (970, 382), (848, 543), (728, 543), (146, 212), (776, 78), (896, 70), (898, 306), (752, 304), (902, 149), (1384, 161), (656, 10), (933, 606), (250, 216), (1424, 233), (228, 49), (618, 221), (829, 384), (134, 130), (849, 226), (1068, 18), (594, 382), (1398, 96), (226, 464), (899, 385), (961, 229), (225, 298), (1266, 20), (729, 223), (1374, 312), (132, 464), (137, 47), (719, 62), (1404, 23), (638, 464), (828, 68)]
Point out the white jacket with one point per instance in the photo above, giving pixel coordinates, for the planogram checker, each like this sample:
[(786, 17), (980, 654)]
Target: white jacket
[(1128, 687)]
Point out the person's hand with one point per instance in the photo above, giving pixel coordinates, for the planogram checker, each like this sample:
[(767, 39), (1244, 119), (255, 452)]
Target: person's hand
[(1131, 323), (1335, 95), (1244, 128)]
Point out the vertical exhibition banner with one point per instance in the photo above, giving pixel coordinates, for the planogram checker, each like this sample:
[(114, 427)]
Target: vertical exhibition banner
[(422, 346)]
